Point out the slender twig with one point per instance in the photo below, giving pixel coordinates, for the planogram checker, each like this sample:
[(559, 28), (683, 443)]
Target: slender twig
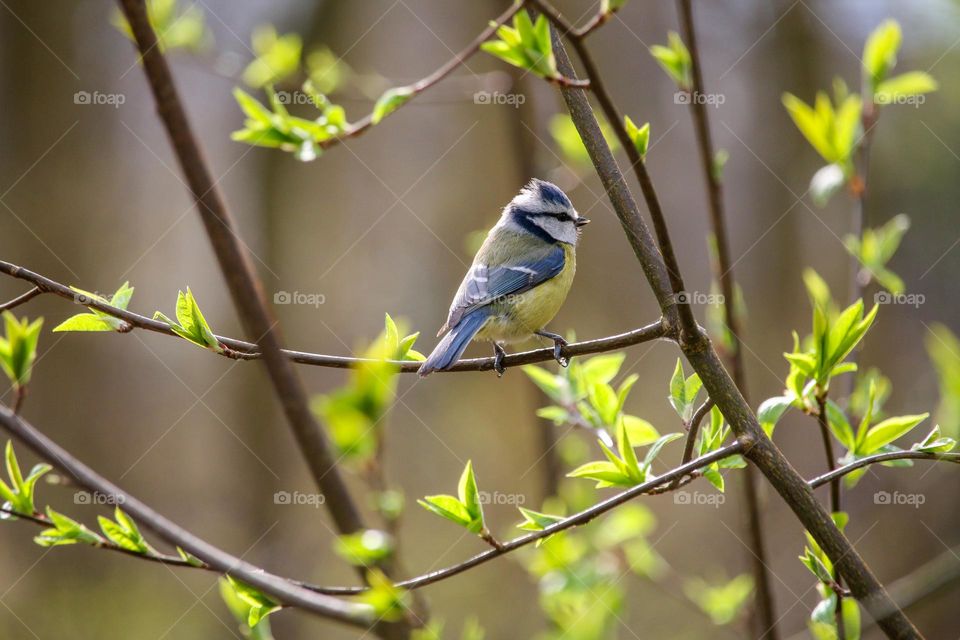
[(241, 350), (828, 450), (764, 618), (576, 520), (688, 324), (245, 288), (275, 586), (19, 300), (693, 427), (758, 448), (822, 421), (839, 472), (361, 126)]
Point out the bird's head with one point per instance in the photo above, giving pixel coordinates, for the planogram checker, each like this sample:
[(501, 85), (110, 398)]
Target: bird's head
[(542, 209)]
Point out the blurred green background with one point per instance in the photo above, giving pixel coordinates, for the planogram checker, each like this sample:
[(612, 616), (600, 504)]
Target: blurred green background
[(91, 196)]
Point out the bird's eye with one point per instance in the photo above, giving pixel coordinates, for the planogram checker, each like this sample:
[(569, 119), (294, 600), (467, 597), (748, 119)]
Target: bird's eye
[(564, 217)]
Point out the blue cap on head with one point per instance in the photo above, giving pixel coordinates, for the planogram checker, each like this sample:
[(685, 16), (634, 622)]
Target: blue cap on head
[(550, 193)]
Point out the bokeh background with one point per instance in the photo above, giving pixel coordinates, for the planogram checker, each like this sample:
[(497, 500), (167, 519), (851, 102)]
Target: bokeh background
[(91, 196)]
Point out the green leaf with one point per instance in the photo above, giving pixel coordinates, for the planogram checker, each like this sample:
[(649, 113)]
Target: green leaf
[(390, 101), (447, 507), (527, 45), (678, 389), (639, 430), (935, 442), (655, 448), (550, 384), (18, 350), (389, 601), (278, 57), (84, 322), (601, 369), (771, 410), (640, 136), (469, 495), (880, 52), (909, 84), (190, 323), (675, 60), (65, 531), (604, 400), (364, 548), (260, 605), (889, 430)]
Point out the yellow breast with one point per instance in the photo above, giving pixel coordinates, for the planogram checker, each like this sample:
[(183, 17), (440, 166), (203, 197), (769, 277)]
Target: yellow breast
[(518, 317)]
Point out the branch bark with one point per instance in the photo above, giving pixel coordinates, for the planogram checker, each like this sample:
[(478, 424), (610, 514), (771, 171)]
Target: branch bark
[(765, 617), (272, 585), (241, 350), (704, 360)]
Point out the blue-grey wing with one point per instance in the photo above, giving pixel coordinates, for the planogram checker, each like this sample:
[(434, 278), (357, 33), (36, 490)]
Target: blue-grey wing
[(485, 283)]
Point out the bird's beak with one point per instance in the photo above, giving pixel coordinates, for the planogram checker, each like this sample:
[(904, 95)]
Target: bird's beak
[(582, 222)]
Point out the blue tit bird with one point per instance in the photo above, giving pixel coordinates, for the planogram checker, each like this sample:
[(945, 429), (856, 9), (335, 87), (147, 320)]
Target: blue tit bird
[(519, 278)]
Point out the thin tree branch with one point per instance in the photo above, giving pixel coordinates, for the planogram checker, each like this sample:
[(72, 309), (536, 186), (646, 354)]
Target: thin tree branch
[(758, 448), (244, 285), (242, 281), (241, 350), (828, 451), (688, 324), (656, 485), (839, 472), (19, 300), (693, 428), (765, 618), (274, 586)]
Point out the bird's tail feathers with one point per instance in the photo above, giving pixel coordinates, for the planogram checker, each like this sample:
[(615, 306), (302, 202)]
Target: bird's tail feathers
[(452, 346)]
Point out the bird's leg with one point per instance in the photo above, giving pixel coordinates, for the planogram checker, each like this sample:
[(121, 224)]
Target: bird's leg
[(499, 354), (558, 344)]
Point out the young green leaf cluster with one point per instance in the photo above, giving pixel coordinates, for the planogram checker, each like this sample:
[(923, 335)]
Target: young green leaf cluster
[(526, 45), (18, 349), (584, 397), (190, 323), (711, 437), (675, 60), (277, 57), (97, 320), (18, 495), (823, 618), (875, 250), (353, 414), (277, 128), (836, 129), (464, 509)]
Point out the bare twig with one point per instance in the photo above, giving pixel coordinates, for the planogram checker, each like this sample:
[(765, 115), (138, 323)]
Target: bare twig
[(839, 472), (240, 350), (275, 586), (693, 428), (19, 300)]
